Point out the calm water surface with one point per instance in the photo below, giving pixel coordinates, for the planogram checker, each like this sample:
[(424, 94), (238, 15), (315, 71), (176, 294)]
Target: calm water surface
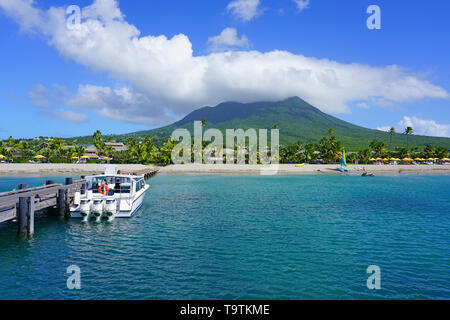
[(252, 237)]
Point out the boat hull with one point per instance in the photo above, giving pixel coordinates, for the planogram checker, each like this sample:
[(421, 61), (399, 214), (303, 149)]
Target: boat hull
[(136, 205)]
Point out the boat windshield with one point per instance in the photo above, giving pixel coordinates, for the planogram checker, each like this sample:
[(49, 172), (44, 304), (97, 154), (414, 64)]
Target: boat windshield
[(116, 184), (99, 180)]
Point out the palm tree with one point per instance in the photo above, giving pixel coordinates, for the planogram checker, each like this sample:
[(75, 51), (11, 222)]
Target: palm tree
[(391, 133), (408, 131), (78, 151), (440, 152), (402, 153), (364, 155), (203, 121), (377, 147), (331, 131), (56, 145), (309, 153), (275, 126), (98, 141), (166, 151)]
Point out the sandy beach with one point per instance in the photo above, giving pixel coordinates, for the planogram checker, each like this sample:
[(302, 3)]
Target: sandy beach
[(306, 169), (75, 169), (80, 169)]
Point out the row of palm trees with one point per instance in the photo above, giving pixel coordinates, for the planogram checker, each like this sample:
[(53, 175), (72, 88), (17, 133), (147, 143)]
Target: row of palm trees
[(328, 149), (408, 131)]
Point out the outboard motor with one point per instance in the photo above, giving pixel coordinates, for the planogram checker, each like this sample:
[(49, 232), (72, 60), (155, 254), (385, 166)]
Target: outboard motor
[(85, 208), (110, 209), (98, 206)]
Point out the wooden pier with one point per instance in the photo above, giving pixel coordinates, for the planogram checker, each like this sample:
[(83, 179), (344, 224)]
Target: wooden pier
[(21, 204), (147, 172)]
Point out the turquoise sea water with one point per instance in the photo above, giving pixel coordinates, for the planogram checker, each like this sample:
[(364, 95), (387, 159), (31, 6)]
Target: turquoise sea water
[(252, 237)]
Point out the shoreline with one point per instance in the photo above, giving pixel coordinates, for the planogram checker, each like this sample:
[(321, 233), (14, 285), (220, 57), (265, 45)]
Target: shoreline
[(12, 169), (311, 169), (55, 169)]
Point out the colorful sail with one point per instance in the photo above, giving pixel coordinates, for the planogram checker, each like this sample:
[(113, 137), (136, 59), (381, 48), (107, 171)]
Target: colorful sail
[(343, 161)]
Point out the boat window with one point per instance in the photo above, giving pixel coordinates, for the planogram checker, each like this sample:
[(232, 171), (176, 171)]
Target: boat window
[(125, 189), (140, 184)]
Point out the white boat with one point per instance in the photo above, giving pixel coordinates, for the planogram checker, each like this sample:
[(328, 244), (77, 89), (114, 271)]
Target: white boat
[(109, 195)]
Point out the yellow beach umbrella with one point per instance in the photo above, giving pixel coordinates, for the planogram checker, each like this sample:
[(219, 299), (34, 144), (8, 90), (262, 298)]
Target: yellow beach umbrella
[(74, 157), (379, 159), (407, 159), (85, 157), (39, 156), (2, 156), (385, 159), (445, 159), (430, 159), (372, 159)]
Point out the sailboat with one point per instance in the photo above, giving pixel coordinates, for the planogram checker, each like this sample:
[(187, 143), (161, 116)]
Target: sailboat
[(343, 167)]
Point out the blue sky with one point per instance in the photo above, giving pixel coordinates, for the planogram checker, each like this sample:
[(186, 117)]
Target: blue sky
[(55, 87)]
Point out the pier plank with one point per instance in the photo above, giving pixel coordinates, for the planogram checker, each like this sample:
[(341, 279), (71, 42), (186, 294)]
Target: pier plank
[(8, 214), (43, 197)]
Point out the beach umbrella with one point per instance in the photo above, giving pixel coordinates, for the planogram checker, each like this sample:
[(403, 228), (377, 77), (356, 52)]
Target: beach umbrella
[(74, 157), (445, 159), (378, 159), (2, 156), (407, 159), (85, 157), (430, 159), (39, 156), (372, 159)]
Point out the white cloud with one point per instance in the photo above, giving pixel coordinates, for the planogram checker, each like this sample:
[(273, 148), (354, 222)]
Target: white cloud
[(421, 127), (363, 105), (67, 115), (302, 4), (120, 104), (167, 79), (384, 128), (123, 104), (245, 10), (227, 39), (38, 95), (424, 127)]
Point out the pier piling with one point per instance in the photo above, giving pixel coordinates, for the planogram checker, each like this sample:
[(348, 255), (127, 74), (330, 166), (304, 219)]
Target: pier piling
[(67, 202), (61, 202), (22, 203), (26, 216)]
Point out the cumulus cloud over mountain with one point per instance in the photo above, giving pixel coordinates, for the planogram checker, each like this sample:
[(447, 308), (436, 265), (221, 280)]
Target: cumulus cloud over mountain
[(166, 79)]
